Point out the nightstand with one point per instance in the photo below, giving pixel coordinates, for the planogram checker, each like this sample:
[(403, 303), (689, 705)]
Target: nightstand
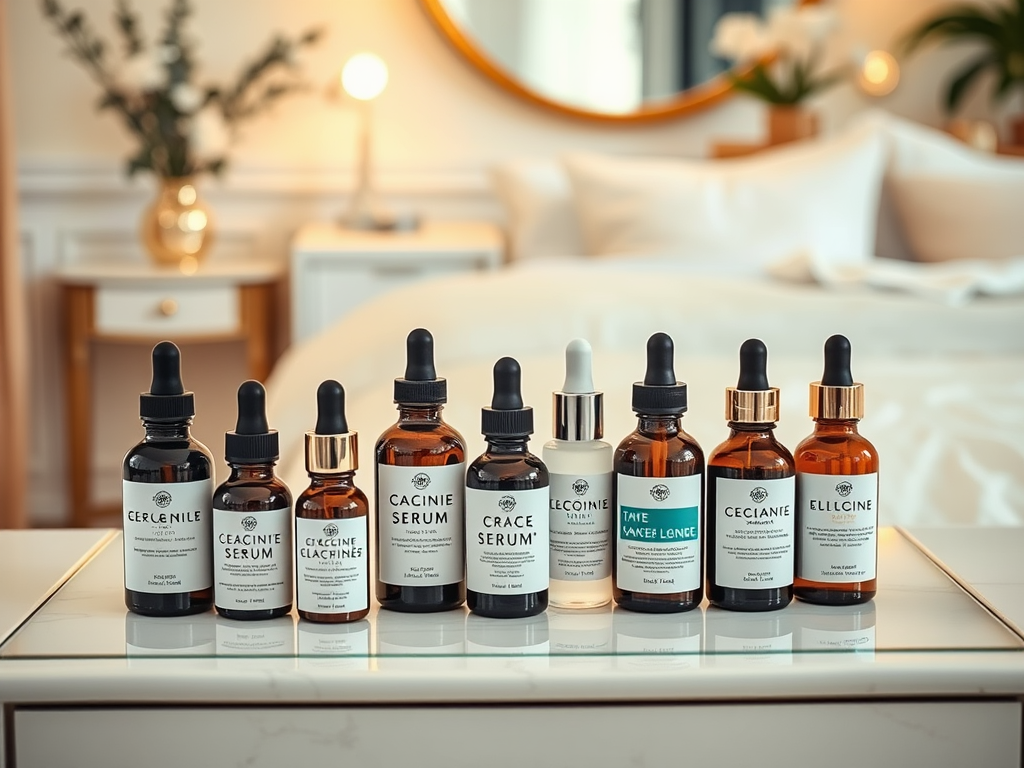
[(140, 303), (335, 269)]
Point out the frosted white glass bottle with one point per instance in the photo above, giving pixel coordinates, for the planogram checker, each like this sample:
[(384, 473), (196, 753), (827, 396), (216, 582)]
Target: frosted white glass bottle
[(580, 498)]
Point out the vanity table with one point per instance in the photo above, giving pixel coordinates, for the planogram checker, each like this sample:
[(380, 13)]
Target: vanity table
[(930, 673)]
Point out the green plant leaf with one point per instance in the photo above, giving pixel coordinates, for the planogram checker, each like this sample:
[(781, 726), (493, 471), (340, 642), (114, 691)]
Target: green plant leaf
[(757, 83), (962, 81), (962, 22)]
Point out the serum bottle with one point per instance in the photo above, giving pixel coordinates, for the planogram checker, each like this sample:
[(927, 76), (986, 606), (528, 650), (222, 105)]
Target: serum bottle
[(507, 509), (659, 491), (580, 506), (837, 489), (751, 497), (331, 533), (420, 494), (166, 492), (252, 519)]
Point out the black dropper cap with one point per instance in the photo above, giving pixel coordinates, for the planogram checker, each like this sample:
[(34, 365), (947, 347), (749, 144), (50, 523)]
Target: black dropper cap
[(837, 362), (330, 409), (507, 416), (420, 386), (659, 394), (753, 366), (167, 399), (252, 442)]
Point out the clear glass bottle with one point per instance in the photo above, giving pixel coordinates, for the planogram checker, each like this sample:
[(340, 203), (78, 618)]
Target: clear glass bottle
[(580, 503)]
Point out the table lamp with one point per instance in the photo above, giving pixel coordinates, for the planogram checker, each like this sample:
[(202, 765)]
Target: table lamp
[(364, 78)]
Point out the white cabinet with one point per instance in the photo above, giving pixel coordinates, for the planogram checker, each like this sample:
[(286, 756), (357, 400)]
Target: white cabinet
[(335, 269)]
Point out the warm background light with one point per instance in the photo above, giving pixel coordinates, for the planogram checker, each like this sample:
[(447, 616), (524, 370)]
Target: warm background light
[(879, 73), (364, 76)]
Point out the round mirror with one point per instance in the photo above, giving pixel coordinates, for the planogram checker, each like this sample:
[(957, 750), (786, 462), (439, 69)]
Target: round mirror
[(613, 60)]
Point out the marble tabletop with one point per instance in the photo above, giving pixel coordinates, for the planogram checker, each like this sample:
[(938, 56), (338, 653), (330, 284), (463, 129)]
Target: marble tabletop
[(923, 635)]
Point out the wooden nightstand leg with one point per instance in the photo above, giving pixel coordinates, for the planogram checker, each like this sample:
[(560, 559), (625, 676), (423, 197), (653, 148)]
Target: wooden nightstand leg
[(258, 327), (78, 393)]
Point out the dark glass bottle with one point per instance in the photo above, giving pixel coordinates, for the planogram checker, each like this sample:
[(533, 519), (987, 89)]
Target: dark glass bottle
[(420, 480), (837, 491), (252, 520), (331, 520), (659, 494), (167, 493), (751, 498), (507, 509)]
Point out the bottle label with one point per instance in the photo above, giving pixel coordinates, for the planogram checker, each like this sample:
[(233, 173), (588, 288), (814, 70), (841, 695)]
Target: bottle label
[(252, 559), (580, 522), (659, 536), (167, 536), (421, 523), (838, 527), (754, 532), (331, 572), (507, 541)]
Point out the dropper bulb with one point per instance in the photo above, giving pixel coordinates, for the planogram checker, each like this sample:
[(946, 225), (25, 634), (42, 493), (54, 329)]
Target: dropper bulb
[(753, 366), (660, 372), (508, 394), (166, 370), (252, 409), (330, 409), (419, 356), (579, 375), (837, 362)]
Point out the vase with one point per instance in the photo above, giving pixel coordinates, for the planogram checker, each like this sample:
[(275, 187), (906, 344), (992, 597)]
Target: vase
[(790, 123), (177, 228)]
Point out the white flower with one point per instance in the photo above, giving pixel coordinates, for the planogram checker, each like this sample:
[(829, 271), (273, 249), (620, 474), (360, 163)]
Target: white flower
[(186, 98), (142, 73), (210, 133), (796, 32), (741, 37)]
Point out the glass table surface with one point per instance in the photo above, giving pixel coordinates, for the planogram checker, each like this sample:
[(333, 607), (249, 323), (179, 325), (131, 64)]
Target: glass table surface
[(918, 608)]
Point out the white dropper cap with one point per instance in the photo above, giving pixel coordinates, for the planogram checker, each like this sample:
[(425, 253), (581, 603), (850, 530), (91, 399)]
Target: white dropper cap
[(578, 409)]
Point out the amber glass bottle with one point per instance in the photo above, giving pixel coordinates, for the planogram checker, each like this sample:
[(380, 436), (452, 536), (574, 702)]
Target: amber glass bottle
[(331, 532), (252, 519), (420, 480), (751, 497), (659, 493), (167, 493), (837, 491)]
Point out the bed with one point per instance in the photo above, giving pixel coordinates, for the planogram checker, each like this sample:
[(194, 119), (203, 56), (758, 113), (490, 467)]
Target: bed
[(943, 368)]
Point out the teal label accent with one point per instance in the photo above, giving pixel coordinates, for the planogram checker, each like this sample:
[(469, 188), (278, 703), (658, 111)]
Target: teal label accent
[(659, 525)]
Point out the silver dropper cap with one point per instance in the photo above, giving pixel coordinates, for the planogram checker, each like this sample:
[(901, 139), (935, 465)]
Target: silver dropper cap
[(578, 409)]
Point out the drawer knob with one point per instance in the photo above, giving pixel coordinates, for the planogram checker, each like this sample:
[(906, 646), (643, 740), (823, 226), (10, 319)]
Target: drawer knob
[(168, 307)]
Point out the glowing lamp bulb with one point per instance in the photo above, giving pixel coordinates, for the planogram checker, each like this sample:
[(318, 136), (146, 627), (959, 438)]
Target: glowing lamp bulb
[(879, 73), (364, 76)]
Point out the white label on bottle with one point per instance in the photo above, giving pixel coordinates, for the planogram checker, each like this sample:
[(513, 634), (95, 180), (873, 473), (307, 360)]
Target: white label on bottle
[(167, 536), (580, 522), (507, 541), (659, 536), (252, 559), (331, 572), (754, 532), (421, 524), (838, 527)]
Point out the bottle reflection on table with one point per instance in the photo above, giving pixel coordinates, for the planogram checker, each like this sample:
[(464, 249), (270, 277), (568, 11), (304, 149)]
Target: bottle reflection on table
[(671, 640), (271, 639), (402, 638), (333, 646), (846, 629), (168, 636), (580, 634), (527, 638), (749, 638)]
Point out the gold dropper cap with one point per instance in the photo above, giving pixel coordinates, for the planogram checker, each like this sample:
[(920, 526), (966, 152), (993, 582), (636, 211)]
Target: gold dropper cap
[(830, 402), (332, 454), (752, 406)]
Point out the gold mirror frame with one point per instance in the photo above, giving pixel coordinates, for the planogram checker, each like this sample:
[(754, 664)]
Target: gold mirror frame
[(692, 100)]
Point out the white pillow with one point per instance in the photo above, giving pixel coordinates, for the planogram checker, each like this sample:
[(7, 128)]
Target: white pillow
[(953, 201), (538, 202), (819, 198)]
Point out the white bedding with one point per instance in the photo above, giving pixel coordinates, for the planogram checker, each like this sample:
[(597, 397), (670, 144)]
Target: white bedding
[(945, 385)]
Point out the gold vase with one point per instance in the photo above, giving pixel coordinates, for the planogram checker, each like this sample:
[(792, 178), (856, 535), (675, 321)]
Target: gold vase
[(790, 123), (176, 228)]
